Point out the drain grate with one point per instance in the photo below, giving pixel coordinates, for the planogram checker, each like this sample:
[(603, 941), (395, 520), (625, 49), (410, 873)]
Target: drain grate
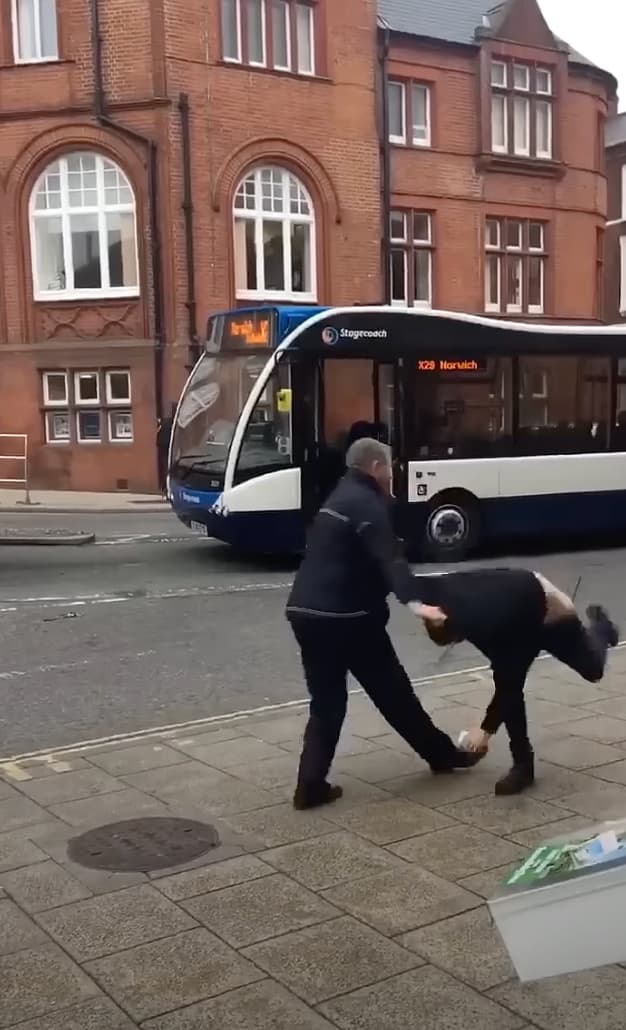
[(143, 845)]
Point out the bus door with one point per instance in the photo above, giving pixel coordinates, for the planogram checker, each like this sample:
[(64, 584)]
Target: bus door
[(338, 401)]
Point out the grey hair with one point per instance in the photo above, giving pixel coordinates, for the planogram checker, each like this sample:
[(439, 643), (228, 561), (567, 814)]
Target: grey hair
[(365, 452)]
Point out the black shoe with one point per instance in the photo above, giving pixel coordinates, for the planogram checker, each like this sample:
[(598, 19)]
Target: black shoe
[(519, 778), (462, 760), (313, 797), (596, 613)]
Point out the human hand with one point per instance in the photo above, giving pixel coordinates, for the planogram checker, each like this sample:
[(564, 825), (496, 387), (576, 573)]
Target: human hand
[(475, 739), (428, 612)]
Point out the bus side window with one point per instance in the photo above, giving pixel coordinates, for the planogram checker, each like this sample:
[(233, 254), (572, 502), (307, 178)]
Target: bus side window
[(267, 442), (563, 404)]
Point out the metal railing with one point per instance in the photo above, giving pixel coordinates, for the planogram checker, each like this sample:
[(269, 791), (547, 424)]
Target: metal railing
[(17, 457)]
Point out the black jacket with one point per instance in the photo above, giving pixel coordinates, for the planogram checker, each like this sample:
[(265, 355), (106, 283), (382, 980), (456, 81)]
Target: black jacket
[(353, 560)]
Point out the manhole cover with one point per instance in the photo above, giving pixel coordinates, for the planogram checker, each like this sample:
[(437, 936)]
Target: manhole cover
[(143, 845)]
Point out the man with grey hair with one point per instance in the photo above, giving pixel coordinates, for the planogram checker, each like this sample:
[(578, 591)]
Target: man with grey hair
[(338, 612)]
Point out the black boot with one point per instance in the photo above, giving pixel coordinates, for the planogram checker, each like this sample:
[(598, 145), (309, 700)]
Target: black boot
[(596, 613), (519, 777), (462, 760), (314, 796)]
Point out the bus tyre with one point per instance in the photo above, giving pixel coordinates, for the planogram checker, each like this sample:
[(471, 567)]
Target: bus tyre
[(452, 528)]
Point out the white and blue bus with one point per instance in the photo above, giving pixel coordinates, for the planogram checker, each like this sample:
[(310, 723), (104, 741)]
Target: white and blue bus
[(498, 429)]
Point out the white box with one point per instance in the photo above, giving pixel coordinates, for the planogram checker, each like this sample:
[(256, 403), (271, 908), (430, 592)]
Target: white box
[(570, 922)]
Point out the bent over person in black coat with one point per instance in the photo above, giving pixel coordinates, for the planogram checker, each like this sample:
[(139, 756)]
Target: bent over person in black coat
[(338, 612)]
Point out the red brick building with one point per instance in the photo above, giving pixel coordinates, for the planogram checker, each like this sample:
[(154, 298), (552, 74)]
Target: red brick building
[(615, 251), (162, 159)]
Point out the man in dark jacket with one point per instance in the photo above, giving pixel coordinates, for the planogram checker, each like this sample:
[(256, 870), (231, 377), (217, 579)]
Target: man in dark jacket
[(511, 615), (338, 612)]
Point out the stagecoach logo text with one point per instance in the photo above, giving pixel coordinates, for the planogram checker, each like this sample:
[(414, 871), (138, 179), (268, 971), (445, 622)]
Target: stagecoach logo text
[(330, 335)]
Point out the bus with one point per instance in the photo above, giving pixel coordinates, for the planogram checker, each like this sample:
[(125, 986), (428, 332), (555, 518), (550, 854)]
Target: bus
[(498, 429)]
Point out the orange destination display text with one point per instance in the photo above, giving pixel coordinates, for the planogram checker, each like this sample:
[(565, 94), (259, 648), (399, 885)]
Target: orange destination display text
[(450, 365)]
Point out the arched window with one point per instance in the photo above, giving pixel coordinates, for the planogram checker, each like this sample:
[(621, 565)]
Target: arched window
[(83, 230), (274, 237)]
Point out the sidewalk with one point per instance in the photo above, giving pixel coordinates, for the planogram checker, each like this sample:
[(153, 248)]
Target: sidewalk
[(61, 502), (367, 915)]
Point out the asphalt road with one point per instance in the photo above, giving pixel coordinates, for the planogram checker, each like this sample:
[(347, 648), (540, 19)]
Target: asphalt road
[(153, 625)]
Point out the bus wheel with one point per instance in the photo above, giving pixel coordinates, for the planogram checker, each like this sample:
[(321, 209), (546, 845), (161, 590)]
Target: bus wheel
[(452, 527)]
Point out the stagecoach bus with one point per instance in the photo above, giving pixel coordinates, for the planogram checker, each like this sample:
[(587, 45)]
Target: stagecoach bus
[(498, 429)]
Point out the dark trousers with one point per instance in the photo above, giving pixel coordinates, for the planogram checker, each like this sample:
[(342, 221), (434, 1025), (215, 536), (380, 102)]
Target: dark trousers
[(330, 649), (581, 648)]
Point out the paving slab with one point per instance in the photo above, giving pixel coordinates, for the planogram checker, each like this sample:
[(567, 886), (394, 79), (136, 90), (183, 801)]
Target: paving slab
[(401, 900), (378, 765), (330, 860), (332, 958), (17, 850), (17, 812), (486, 884), (281, 824), (39, 981), (613, 706), (549, 831), (239, 751), (426, 998), (504, 815), (275, 729), (177, 781), (458, 851), (262, 1006), (104, 925), (578, 753), (603, 728), (139, 758), (593, 1000), (436, 791), (614, 773), (601, 801), (467, 946), (97, 881), (99, 1014), (270, 773), (157, 978), (553, 781), (70, 786), (189, 743), (228, 796), (255, 911), (42, 886), (108, 808), (216, 877), (17, 931), (384, 822)]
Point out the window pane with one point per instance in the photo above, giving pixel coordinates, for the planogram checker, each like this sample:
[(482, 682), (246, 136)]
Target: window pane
[(256, 31), (521, 76), (50, 260), (58, 426), (86, 252), (118, 386), (498, 123), (280, 33), (399, 292), (492, 232), (86, 387), (273, 256), (421, 227), (514, 235), (88, 426), (28, 46), (48, 27), (492, 282), (398, 225), (422, 271), (498, 73), (245, 255), (272, 190), (267, 438), (230, 30), (521, 125), (301, 281), (121, 426), (514, 284), (55, 388), (419, 100), (544, 80), (117, 189), (396, 111), (535, 283), (122, 249), (535, 236), (543, 116), (304, 28)]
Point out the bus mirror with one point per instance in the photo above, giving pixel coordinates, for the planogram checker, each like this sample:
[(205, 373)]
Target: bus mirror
[(283, 402)]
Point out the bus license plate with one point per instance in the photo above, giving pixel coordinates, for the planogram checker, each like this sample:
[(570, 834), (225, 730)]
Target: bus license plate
[(199, 527)]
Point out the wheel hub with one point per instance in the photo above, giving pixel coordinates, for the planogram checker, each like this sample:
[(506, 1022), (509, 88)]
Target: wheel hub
[(447, 527)]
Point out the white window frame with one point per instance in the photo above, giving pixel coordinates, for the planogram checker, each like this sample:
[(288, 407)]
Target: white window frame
[(544, 92), (404, 237), (416, 141), (537, 309), (311, 17), (87, 411), (491, 254), (418, 303), (623, 197), (123, 401), (115, 412), (401, 302), (239, 58), (286, 18), (542, 246), (49, 415), (515, 248), (64, 213), (396, 84), (259, 216), (500, 148), (263, 62), (87, 373), (39, 58), (512, 308), (622, 276), (498, 224), (544, 155), (47, 400), (526, 68), (518, 100), (505, 81)]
